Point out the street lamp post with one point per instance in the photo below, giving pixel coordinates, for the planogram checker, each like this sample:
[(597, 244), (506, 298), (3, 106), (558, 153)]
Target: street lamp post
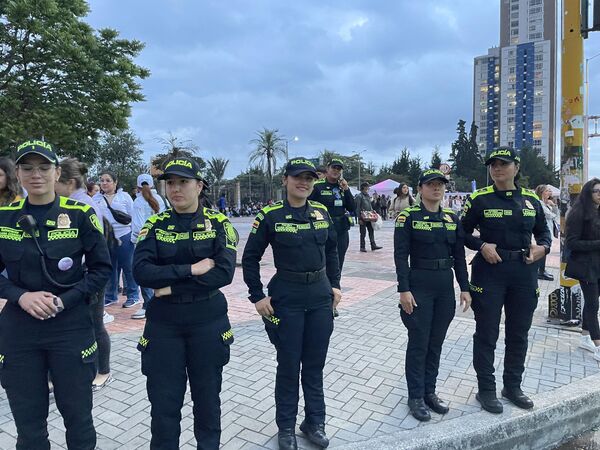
[(586, 122)]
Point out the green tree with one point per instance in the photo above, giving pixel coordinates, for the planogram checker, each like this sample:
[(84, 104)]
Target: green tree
[(62, 80), (173, 147), (415, 168), (216, 168), (401, 165), (535, 170), (465, 157), (121, 154), (436, 158), (268, 146)]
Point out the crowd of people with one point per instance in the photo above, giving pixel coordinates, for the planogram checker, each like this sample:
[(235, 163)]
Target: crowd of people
[(65, 244)]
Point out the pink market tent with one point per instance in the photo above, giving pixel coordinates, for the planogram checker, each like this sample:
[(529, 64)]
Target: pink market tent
[(384, 187)]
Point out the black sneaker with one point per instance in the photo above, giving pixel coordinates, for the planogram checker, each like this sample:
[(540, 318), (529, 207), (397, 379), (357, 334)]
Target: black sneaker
[(286, 438)]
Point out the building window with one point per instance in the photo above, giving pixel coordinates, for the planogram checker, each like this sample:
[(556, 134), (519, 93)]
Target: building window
[(535, 2), (535, 36), (537, 134), (514, 32), (514, 23), (539, 66), (514, 15), (514, 7), (539, 57), (512, 70)]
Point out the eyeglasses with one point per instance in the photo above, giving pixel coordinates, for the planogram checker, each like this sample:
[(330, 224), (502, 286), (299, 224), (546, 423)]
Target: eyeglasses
[(42, 169), (595, 191)]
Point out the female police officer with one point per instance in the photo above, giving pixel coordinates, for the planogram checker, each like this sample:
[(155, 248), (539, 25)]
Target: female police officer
[(434, 239), (297, 312), (185, 254), (46, 326), (503, 274)]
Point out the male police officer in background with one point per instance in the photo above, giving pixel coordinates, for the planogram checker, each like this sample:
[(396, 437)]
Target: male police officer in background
[(333, 192)]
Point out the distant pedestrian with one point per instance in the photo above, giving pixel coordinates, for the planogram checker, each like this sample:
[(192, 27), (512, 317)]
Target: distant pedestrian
[(222, 204), (111, 199), (551, 212), (583, 263), (401, 201), (10, 190), (146, 204), (363, 210)]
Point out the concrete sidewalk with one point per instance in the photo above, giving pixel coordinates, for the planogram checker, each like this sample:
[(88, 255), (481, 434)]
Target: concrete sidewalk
[(364, 376)]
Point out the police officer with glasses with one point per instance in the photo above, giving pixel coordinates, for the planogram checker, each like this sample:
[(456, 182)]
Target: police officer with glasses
[(45, 327)]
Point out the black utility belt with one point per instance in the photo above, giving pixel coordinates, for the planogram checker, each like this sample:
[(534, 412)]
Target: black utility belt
[(511, 255), (431, 264), (189, 298), (302, 277)]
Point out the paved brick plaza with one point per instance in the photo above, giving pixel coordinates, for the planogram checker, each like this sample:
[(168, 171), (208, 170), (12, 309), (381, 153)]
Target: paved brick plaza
[(364, 381)]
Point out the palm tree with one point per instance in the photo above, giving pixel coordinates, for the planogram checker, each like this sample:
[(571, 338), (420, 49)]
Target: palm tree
[(216, 167), (269, 146)]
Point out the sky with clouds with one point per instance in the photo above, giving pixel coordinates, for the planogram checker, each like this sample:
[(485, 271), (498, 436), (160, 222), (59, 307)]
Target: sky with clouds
[(354, 75)]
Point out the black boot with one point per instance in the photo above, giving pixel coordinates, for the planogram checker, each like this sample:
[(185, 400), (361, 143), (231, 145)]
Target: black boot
[(436, 404), (315, 434), (418, 409), (364, 250), (489, 402), (517, 398), (287, 439), (545, 276), (375, 247)]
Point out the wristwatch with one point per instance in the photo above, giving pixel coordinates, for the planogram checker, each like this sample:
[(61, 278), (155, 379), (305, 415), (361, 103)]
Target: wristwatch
[(547, 248)]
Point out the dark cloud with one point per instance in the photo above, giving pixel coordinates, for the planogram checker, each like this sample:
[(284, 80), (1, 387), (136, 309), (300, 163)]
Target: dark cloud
[(352, 75)]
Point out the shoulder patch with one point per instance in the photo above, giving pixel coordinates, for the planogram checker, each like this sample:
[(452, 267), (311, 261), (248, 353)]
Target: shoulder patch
[(96, 223), (320, 181), (267, 209), (316, 204), (529, 193), (231, 235), (14, 206), (214, 214), (69, 203)]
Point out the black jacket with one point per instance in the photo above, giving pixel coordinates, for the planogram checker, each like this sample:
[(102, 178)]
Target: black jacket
[(168, 245), (425, 235), (583, 241), (70, 231), (301, 242), (505, 218), (336, 201)]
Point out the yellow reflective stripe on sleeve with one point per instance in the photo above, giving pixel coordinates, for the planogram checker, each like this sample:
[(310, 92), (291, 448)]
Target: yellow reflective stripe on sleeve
[(143, 342), (227, 335)]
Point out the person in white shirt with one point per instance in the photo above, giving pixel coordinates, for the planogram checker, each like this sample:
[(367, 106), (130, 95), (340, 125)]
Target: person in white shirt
[(112, 198), (146, 204)]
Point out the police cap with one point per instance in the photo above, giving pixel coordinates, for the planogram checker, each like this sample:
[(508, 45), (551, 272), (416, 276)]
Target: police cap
[(432, 174), (297, 166), (41, 148), (507, 154), (336, 162), (183, 167)]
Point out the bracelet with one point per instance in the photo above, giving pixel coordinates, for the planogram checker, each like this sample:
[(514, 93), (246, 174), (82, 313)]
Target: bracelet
[(482, 245)]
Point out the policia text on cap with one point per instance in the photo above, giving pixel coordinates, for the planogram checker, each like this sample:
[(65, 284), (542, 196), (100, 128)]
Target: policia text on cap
[(45, 327), (503, 274)]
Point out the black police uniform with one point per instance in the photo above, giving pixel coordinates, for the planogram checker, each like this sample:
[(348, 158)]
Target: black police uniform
[(187, 333), (305, 256), (64, 346), (337, 202), (507, 219), (435, 243)]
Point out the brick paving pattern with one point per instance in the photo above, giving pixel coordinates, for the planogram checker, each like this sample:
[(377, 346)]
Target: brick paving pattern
[(364, 376)]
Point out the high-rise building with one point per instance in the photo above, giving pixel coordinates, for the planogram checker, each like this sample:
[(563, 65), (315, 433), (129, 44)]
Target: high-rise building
[(525, 102)]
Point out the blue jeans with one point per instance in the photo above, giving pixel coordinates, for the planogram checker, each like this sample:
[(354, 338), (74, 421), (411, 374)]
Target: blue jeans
[(147, 294), (121, 257)]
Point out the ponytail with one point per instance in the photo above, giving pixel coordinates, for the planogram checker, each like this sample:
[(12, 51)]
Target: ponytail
[(147, 194)]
